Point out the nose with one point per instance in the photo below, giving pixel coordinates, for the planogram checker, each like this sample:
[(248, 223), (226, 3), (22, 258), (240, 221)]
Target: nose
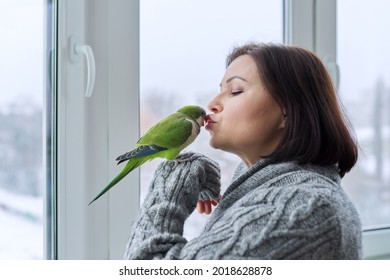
[(215, 105)]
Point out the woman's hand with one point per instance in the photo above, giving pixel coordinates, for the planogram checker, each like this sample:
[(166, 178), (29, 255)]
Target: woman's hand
[(205, 206), (195, 176)]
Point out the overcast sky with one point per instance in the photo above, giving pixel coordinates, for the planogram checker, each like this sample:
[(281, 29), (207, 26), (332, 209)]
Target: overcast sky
[(184, 44), (21, 51), (363, 36)]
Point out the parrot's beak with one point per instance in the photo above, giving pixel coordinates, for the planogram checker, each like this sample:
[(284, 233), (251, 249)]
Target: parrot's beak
[(206, 120), (201, 121)]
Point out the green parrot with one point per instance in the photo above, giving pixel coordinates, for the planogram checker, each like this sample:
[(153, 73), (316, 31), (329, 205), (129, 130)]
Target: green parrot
[(166, 139)]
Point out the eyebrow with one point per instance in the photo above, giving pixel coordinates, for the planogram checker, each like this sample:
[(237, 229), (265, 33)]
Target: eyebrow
[(232, 78)]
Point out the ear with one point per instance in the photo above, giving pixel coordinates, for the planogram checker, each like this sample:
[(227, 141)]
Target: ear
[(284, 118)]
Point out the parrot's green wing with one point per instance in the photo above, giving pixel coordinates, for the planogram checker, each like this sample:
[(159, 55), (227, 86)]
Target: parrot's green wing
[(170, 133), (167, 135)]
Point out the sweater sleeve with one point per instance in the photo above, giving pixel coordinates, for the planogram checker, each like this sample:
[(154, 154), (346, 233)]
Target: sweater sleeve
[(178, 184)]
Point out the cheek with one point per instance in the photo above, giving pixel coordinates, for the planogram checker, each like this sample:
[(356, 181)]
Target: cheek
[(260, 123), (223, 135), (245, 124), (268, 129), (232, 132)]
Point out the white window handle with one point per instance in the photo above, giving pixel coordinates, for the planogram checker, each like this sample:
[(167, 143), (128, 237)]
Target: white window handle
[(76, 50)]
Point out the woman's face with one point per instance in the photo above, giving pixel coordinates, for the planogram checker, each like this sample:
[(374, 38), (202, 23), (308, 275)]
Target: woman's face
[(245, 119)]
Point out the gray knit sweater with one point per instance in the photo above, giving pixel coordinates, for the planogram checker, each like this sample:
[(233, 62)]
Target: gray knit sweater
[(269, 211)]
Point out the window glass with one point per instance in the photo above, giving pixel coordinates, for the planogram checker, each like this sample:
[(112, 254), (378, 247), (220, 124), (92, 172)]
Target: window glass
[(183, 46), (364, 58), (21, 86)]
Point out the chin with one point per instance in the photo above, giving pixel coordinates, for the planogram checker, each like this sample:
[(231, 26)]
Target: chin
[(213, 142)]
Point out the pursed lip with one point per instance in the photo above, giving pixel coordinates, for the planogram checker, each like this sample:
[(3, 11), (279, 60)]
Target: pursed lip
[(209, 121)]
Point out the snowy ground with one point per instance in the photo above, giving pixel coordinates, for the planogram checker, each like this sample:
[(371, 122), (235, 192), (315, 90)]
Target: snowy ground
[(21, 227)]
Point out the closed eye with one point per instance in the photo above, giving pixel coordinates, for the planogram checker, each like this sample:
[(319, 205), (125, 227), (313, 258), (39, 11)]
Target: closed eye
[(236, 92)]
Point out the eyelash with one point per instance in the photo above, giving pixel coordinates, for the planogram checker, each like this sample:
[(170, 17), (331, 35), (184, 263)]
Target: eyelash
[(236, 92)]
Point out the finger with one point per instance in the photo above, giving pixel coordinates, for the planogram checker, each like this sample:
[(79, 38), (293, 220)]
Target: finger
[(200, 207), (207, 207), (214, 202)]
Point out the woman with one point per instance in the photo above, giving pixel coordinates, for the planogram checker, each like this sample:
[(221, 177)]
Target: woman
[(278, 111)]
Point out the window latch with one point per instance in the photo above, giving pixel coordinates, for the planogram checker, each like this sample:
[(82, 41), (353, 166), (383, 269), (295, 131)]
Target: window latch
[(76, 50)]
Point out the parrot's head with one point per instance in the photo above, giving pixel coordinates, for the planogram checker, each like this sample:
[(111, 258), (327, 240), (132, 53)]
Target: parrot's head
[(196, 113)]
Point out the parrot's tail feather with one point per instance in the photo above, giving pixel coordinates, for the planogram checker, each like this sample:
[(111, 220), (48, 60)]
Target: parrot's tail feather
[(131, 165), (141, 151)]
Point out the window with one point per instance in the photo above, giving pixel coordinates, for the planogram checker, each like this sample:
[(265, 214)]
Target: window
[(89, 133), (182, 60), (364, 60), (21, 87)]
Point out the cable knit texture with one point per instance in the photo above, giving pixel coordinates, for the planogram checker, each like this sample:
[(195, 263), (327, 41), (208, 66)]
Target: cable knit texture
[(269, 211)]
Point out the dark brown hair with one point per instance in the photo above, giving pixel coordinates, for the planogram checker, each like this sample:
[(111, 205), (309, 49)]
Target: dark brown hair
[(316, 130)]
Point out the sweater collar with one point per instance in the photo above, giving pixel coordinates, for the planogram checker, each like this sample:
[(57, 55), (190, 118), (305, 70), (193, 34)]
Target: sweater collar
[(267, 166), (247, 179)]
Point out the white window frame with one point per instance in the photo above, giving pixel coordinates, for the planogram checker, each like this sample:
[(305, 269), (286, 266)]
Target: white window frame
[(92, 132), (312, 24)]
